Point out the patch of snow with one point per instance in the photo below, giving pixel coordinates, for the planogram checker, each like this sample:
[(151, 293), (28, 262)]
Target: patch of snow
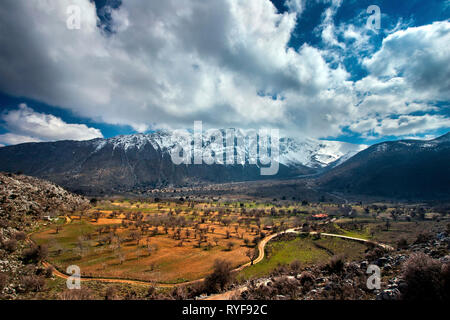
[(308, 152)]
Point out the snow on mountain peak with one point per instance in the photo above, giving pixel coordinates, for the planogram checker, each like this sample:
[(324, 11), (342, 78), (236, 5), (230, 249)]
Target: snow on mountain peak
[(308, 152)]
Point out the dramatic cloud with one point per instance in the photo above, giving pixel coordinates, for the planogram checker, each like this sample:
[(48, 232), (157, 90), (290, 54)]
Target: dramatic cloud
[(26, 125), (12, 138), (401, 126), (227, 63), (420, 56), (295, 5)]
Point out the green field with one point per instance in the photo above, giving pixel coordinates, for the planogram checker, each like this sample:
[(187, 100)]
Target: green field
[(306, 251)]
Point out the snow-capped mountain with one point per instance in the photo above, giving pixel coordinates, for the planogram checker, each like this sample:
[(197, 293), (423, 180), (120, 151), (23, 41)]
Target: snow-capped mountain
[(292, 152), (144, 161), (316, 153)]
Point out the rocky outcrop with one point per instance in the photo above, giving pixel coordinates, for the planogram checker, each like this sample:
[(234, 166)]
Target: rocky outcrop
[(22, 196)]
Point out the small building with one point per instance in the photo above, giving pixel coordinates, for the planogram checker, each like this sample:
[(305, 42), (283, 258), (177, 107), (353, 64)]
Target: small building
[(320, 216)]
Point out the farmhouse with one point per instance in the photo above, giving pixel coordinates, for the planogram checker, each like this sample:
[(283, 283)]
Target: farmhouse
[(320, 216)]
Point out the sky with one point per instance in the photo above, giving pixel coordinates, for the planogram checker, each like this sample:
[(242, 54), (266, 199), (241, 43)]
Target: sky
[(311, 68)]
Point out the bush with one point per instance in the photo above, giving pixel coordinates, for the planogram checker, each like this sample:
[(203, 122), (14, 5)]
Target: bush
[(280, 269), (48, 272), (20, 236), (220, 278), (33, 283), (35, 254), (307, 280), (296, 266), (423, 237), (375, 254), (402, 244), (10, 245), (110, 293), (81, 294), (179, 293), (336, 264), (424, 278), (3, 281)]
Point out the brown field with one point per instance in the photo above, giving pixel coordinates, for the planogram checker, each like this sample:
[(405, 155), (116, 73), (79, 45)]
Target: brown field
[(157, 257)]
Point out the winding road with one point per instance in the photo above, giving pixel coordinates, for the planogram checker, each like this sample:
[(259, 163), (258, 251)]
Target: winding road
[(229, 294)]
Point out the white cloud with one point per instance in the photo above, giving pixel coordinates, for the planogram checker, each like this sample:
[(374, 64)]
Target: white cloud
[(402, 126), (420, 56), (328, 29), (26, 125), (172, 62), (12, 138), (295, 5)]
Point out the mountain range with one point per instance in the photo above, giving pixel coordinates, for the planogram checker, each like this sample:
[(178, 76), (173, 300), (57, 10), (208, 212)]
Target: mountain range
[(407, 169), (128, 162)]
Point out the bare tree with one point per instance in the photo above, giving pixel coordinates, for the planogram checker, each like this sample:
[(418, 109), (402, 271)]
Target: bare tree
[(252, 254)]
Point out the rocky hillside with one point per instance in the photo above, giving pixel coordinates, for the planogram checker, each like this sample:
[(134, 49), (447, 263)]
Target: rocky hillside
[(22, 201), (22, 196)]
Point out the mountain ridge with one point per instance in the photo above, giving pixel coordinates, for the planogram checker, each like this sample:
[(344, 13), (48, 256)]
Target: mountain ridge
[(134, 161), (408, 169)]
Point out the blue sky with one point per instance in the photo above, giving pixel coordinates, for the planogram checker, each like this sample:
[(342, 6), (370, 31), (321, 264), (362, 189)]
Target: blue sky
[(311, 68)]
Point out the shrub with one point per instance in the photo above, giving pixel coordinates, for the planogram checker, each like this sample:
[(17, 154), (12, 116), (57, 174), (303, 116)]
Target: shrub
[(10, 245), (81, 294), (279, 270), (286, 287), (220, 278), (33, 283), (402, 244), (336, 264), (307, 280), (423, 278), (110, 293), (48, 272), (35, 254), (296, 266), (3, 281), (375, 254), (179, 293), (423, 237), (20, 236)]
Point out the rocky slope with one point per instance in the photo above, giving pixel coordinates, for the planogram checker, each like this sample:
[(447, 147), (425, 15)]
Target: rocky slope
[(22, 201), (22, 196)]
